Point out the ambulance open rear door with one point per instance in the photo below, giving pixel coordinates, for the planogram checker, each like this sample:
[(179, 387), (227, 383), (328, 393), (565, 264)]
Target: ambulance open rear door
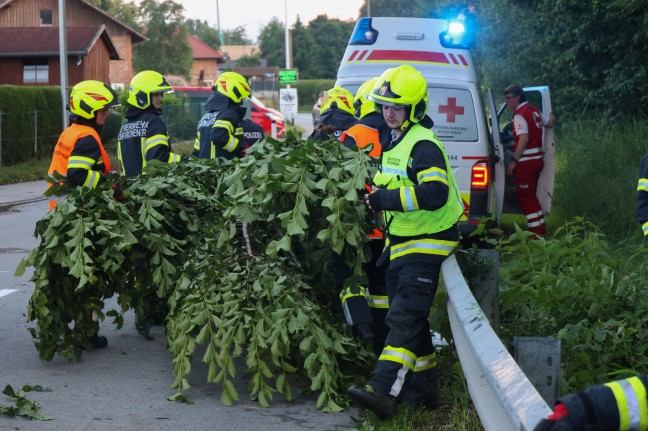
[(498, 151)]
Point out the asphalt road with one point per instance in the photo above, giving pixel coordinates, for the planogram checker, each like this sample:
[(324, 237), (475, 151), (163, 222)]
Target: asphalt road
[(306, 122), (124, 386)]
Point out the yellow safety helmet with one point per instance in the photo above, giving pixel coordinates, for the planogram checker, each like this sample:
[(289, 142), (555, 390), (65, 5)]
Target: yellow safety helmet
[(233, 85), (88, 97), (339, 97), (144, 84), (402, 86), (362, 104)]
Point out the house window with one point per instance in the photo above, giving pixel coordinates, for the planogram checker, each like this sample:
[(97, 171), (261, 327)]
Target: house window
[(36, 71), (46, 16)]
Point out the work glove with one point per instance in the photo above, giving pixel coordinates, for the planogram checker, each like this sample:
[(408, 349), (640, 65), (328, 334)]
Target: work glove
[(117, 193)]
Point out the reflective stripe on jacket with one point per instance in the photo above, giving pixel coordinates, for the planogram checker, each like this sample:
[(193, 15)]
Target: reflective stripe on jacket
[(393, 175)]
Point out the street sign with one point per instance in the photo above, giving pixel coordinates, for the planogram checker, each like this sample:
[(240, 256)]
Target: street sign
[(287, 76), (288, 102)]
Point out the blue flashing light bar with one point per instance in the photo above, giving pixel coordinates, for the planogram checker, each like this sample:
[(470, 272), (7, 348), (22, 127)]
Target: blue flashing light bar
[(363, 33), (455, 36)]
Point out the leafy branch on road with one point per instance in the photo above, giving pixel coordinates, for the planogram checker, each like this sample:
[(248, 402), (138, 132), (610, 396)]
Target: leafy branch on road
[(23, 405), (264, 293)]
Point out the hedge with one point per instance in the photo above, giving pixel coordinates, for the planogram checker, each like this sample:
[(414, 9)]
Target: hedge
[(30, 122), (24, 109)]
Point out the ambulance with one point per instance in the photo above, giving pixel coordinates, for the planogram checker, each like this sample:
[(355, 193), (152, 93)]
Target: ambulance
[(470, 135)]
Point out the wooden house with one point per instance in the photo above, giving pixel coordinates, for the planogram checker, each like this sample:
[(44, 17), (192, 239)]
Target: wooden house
[(204, 68), (99, 45)]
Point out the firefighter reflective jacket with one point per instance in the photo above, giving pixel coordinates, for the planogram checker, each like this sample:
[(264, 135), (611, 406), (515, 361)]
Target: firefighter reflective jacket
[(362, 135), (143, 137), (393, 175), (219, 134), (619, 405), (642, 196), (80, 155)]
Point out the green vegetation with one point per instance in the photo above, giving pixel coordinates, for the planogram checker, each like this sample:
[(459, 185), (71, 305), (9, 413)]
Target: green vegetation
[(26, 171), (543, 283), (23, 406), (586, 292), (597, 172), (240, 253), (22, 111)]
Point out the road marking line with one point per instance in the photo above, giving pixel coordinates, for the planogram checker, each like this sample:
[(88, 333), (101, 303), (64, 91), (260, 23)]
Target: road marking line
[(4, 292)]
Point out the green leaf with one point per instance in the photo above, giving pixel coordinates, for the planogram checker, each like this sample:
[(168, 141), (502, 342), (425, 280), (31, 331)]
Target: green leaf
[(180, 397)]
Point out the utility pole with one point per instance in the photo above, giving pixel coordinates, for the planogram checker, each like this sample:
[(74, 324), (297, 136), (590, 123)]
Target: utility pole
[(287, 39), (220, 35), (63, 60)]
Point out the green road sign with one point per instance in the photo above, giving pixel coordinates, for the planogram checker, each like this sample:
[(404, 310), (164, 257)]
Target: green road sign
[(287, 76)]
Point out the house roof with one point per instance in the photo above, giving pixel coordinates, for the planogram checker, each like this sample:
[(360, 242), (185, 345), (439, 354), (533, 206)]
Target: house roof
[(137, 36), (203, 51), (234, 52), (44, 41)]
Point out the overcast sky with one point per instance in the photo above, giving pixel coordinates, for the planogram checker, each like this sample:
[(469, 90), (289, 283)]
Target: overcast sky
[(255, 14)]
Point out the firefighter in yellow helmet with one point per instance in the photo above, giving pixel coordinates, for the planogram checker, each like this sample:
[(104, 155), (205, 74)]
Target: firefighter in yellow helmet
[(79, 153), (220, 133), (143, 135), (374, 299), (419, 197), (337, 115)]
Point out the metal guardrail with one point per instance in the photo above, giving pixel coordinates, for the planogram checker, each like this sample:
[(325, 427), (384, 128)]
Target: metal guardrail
[(503, 396)]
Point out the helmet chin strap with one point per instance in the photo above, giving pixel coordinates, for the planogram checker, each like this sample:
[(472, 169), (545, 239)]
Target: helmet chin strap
[(405, 125)]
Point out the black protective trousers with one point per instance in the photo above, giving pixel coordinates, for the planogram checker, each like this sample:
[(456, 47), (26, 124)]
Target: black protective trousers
[(406, 368), (359, 307)]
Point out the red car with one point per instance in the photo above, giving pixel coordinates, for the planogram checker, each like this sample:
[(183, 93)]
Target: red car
[(258, 112)]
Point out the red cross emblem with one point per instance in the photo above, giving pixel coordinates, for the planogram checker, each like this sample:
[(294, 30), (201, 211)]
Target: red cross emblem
[(451, 110)]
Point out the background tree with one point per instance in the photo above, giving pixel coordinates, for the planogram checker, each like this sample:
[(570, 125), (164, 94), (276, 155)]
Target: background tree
[(203, 31), (303, 47), (249, 61), (236, 36), (167, 49), (272, 43), (126, 12), (589, 52), (412, 8), (331, 36)]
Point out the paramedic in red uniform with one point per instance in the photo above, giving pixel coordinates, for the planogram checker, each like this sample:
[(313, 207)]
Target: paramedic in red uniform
[(528, 155)]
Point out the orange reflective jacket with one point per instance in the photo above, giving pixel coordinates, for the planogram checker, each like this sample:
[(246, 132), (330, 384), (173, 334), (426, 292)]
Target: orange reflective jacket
[(364, 136), (64, 148)]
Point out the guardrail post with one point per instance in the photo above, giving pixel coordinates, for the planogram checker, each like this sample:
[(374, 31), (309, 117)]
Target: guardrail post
[(539, 358), (484, 284), (273, 129)]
